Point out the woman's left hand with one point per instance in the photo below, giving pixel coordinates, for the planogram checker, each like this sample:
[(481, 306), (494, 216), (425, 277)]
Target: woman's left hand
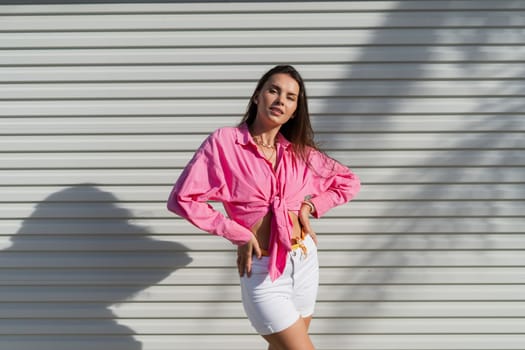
[(304, 219)]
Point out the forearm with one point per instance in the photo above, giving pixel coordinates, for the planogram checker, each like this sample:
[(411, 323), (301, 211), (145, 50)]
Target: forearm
[(206, 218)]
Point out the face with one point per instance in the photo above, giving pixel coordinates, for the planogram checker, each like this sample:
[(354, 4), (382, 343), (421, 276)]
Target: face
[(277, 100)]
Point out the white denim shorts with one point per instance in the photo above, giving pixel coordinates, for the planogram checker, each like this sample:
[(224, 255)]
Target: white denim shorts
[(272, 307)]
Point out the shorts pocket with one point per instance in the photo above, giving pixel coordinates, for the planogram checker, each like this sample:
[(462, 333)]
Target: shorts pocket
[(260, 266)]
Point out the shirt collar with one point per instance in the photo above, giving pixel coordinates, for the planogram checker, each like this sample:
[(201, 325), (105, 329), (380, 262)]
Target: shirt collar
[(244, 137)]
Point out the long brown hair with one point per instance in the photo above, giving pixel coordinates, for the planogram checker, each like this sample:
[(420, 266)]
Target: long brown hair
[(297, 130)]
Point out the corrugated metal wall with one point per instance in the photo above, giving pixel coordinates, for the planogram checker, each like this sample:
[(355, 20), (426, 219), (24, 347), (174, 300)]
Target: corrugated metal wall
[(102, 105)]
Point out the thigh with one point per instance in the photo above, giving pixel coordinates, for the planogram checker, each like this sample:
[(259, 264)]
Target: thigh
[(294, 337), (268, 305)]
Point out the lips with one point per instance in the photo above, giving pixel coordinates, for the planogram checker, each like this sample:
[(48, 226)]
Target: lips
[(276, 110)]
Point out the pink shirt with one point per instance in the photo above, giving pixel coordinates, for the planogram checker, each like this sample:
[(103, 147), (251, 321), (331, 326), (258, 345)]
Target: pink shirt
[(228, 167)]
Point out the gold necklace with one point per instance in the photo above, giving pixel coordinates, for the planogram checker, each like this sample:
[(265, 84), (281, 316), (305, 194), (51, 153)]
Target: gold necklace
[(271, 154), (272, 147), (261, 143)]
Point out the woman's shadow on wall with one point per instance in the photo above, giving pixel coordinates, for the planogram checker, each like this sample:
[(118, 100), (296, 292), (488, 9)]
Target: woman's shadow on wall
[(75, 257)]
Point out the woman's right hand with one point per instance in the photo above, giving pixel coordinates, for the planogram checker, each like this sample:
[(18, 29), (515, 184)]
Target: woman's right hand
[(245, 254)]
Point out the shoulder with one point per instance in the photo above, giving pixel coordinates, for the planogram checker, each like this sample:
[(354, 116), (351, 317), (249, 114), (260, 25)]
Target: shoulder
[(222, 140), (224, 134), (316, 156), (325, 165)]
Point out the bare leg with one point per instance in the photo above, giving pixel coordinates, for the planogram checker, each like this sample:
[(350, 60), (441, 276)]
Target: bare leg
[(294, 337)]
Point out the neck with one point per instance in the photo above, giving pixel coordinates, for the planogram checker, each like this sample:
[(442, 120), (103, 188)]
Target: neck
[(265, 135)]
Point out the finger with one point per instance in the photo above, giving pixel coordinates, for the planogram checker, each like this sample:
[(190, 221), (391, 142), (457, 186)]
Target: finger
[(257, 250), (314, 237), (240, 265), (248, 266)]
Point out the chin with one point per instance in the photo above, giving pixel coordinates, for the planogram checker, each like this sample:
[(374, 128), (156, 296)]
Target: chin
[(279, 119)]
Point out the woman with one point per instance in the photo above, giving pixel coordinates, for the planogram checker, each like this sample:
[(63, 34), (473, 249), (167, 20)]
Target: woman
[(270, 177)]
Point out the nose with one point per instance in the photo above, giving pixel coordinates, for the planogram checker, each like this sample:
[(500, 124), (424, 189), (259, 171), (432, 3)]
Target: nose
[(279, 99)]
